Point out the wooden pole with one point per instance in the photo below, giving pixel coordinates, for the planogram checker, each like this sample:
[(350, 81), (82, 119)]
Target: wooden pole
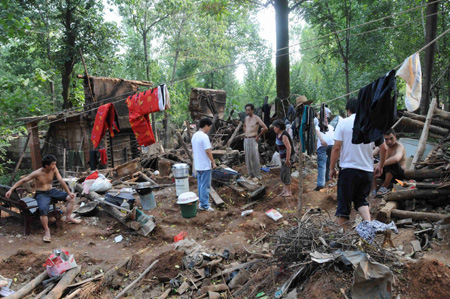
[(300, 184), (424, 136), (420, 174), (65, 281), (20, 160), (419, 124), (439, 123), (87, 77), (185, 146), (236, 131), (442, 114), (416, 193), (64, 163), (131, 285), (188, 126), (29, 286), (35, 147), (417, 215)]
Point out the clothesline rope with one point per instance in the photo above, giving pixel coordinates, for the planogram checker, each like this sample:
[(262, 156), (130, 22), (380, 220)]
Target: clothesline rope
[(186, 77), (420, 50)]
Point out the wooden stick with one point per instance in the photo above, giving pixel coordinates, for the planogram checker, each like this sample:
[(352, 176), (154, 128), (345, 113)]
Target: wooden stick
[(73, 294), (188, 125), (86, 280), (67, 279), (45, 291), (29, 286), (64, 163), (417, 215), (233, 136), (87, 77), (131, 285), (185, 146), (424, 135), (20, 160), (300, 186)]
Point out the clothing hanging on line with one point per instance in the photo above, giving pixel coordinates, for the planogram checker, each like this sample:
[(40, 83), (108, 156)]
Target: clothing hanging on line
[(94, 159), (377, 109), (140, 106), (103, 156), (106, 119), (411, 72), (266, 113), (322, 115), (307, 130), (75, 158)]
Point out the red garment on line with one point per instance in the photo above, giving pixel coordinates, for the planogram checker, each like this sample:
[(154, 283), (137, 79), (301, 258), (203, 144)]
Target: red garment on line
[(103, 156), (105, 119), (139, 106)]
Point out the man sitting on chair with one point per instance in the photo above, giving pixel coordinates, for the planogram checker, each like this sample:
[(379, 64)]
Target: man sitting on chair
[(395, 165), (43, 178)]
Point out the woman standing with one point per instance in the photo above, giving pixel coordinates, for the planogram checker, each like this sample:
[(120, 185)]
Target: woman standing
[(284, 145)]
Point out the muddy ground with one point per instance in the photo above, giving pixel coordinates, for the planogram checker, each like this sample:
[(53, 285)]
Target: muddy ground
[(93, 246)]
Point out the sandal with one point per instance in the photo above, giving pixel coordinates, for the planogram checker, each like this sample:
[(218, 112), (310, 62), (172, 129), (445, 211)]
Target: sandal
[(46, 239), (382, 191)]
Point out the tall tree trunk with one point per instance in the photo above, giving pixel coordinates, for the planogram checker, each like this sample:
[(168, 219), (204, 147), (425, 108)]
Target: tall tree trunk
[(431, 28), (147, 71), (347, 47), (70, 59), (282, 53), (447, 106)]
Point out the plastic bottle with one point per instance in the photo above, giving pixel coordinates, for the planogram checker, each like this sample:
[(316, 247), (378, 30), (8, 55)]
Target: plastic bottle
[(125, 205)]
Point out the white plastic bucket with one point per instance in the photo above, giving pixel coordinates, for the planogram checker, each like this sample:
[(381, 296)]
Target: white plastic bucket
[(182, 185)]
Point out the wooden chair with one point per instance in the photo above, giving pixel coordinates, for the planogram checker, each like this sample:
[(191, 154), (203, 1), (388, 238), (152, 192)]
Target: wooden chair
[(27, 208)]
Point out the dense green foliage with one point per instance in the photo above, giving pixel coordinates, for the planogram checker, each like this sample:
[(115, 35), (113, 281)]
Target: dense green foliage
[(201, 43)]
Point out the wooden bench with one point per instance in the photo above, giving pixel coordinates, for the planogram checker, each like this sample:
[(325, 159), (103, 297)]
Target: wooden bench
[(27, 208)]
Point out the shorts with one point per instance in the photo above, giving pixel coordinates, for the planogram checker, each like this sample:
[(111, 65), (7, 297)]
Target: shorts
[(44, 199), (353, 186), (396, 170), (285, 173)]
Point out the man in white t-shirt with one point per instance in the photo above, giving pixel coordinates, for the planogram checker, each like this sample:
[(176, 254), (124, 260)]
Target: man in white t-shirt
[(203, 159), (325, 142), (357, 168)]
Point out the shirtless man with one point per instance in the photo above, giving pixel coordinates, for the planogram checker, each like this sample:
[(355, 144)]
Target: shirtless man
[(43, 178), (251, 127), (395, 164)]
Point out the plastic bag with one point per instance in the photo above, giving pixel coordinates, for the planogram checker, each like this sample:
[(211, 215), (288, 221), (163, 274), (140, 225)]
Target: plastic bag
[(276, 160), (101, 184)]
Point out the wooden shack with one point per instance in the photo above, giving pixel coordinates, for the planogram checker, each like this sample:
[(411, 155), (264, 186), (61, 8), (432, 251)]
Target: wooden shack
[(207, 102), (70, 131)]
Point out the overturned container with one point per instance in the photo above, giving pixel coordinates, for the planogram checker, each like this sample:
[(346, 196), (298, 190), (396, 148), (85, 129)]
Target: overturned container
[(181, 174), (188, 204), (145, 192)]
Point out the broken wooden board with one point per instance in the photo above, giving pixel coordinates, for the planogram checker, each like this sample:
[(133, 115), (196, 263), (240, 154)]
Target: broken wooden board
[(250, 186), (128, 168), (215, 197)]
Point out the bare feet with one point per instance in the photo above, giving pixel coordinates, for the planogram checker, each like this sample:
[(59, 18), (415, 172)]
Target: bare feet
[(73, 220)]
